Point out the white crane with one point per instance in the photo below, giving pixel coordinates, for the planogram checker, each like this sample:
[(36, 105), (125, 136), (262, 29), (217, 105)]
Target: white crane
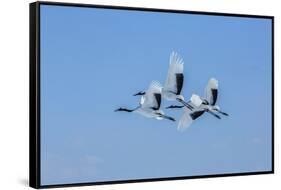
[(174, 82), (211, 96), (150, 103), (201, 105)]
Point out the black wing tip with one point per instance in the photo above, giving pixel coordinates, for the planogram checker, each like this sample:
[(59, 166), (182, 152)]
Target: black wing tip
[(214, 92), (196, 114), (179, 79), (158, 100)]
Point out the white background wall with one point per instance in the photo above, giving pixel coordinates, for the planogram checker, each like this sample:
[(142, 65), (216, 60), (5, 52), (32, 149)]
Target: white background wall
[(14, 93)]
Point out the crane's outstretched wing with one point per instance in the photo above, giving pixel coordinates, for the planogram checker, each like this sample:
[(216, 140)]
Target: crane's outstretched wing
[(152, 97), (175, 78), (185, 120), (188, 117), (211, 91)]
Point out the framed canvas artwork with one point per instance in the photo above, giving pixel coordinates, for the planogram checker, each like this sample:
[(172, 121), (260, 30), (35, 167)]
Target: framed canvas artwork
[(126, 94)]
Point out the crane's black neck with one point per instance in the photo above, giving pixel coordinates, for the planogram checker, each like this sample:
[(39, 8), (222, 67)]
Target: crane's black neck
[(126, 109)]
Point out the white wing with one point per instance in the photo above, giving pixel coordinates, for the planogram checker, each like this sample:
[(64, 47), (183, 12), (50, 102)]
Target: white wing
[(211, 91), (189, 116), (175, 68), (196, 100), (185, 120), (152, 97)]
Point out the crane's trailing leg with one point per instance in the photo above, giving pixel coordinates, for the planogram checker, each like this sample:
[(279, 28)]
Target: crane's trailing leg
[(223, 113), (217, 109), (166, 117), (212, 113)]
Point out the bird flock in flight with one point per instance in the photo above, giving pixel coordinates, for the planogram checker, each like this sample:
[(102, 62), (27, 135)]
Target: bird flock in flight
[(150, 101)]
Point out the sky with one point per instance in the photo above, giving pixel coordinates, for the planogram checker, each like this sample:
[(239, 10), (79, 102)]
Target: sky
[(94, 60)]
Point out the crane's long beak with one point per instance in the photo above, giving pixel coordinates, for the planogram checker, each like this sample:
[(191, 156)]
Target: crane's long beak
[(139, 93), (125, 109)]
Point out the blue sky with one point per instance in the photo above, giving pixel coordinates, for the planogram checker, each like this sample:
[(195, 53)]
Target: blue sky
[(93, 60)]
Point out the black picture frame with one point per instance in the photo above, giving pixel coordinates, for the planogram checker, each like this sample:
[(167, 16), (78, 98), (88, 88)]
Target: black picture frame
[(34, 93)]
